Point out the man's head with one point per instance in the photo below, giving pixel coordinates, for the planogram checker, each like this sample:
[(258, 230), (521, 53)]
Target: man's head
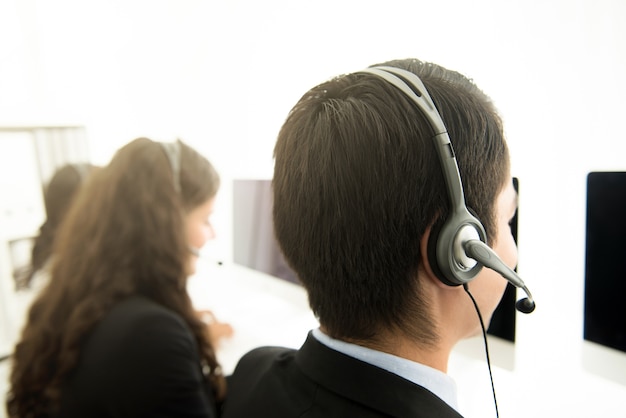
[(358, 183)]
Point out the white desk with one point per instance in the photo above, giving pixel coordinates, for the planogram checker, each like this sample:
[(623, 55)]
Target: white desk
[(262, 309)]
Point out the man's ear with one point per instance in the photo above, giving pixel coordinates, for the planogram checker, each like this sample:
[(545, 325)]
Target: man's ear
[(426, 260)]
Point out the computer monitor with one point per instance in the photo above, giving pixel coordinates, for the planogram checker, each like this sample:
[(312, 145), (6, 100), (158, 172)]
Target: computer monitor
[(605, 250), (503, 319), (254, 243)]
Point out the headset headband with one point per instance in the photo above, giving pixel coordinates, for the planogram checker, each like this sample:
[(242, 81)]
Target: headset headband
[(172, 151)]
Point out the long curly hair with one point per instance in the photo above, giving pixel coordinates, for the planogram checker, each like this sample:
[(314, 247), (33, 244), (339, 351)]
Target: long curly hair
[(124, 235)]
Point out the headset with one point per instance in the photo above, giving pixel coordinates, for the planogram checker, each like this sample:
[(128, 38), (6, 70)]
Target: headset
[(457, 251), (82, 170), (173, 152)]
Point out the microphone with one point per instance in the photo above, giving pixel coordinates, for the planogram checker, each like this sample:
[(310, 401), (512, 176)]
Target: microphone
[(481, 252), (196, 252)]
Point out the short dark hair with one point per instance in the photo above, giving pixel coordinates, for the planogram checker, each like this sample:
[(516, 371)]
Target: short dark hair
[(357, 183)]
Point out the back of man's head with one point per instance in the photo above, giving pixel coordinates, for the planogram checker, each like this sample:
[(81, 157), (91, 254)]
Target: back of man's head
[(357, 182)]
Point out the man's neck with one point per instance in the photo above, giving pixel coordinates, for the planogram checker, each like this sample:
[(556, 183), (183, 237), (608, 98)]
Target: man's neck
[(432, 355)]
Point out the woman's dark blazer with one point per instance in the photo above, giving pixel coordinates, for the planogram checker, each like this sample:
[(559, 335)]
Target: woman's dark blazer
[(141, 360)]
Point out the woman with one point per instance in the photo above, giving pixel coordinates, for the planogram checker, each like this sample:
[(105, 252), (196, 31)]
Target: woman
[(58, 195), (115, 332)]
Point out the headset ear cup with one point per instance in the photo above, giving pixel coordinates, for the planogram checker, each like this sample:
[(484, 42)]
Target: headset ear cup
[(448, 260), (432, 253)]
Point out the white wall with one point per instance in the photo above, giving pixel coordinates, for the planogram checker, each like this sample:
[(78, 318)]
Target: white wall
[(223, 75)]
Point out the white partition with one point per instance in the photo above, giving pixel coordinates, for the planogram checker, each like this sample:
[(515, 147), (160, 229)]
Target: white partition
[(21, 212), (29, 155)]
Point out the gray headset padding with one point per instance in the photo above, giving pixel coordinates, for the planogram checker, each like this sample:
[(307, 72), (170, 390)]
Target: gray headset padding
[(172, 151)]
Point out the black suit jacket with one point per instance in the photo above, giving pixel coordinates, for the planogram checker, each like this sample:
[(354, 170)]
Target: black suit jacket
[(141, 360), (317, 381)]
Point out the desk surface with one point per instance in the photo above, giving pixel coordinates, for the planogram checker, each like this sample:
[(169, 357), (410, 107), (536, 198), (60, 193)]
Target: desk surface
[(262, 309)]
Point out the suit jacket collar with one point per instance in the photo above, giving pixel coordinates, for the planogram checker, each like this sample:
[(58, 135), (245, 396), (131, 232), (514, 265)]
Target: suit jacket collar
[(369, 385)]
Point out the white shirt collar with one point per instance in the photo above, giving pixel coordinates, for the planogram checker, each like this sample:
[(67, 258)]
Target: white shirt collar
[(434, 380)]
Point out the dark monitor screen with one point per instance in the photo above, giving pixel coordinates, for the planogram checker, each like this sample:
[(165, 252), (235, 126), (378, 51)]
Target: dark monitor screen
[(605, 251), (503, 320), (254, 243)]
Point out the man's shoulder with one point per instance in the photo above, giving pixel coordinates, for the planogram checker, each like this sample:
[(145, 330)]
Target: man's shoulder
[(261, 359), (317, 381), (267, 382)]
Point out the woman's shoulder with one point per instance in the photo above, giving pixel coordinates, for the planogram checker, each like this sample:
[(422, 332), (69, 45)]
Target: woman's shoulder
[(139, 307), (140, 355), (142, 322)]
